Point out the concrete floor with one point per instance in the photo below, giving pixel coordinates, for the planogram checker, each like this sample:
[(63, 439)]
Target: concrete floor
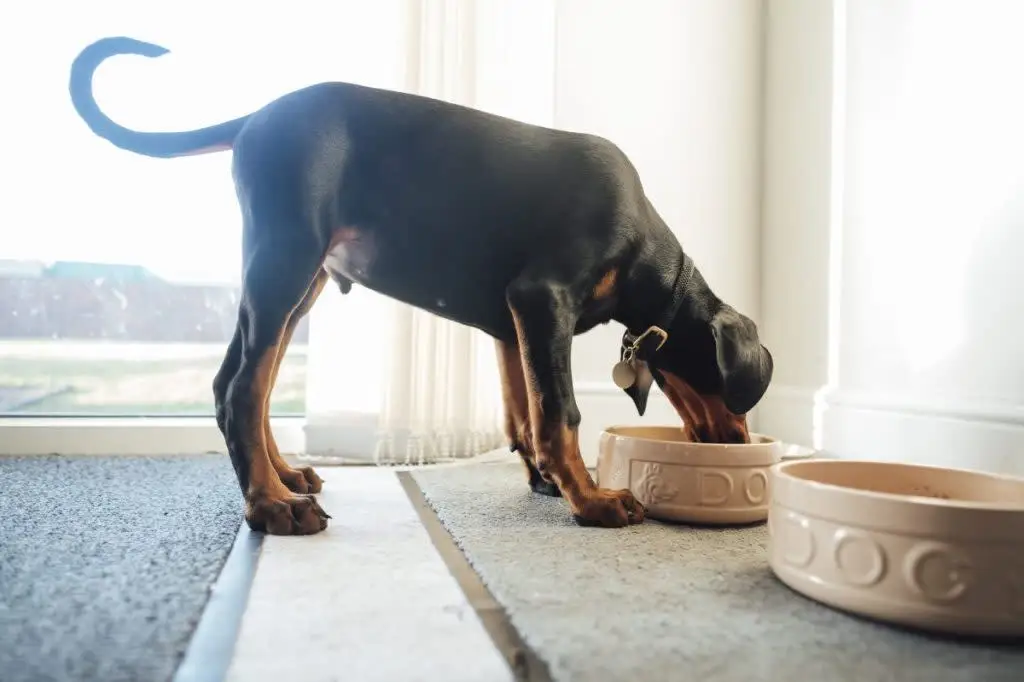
[(369, 599)]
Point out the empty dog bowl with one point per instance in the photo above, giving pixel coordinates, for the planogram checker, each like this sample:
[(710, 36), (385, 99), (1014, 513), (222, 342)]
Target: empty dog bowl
[(925, 547), (679, 480)]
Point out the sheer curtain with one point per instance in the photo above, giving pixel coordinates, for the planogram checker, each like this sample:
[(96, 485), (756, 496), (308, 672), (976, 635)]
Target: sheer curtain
[(441, 399), (388, 383)]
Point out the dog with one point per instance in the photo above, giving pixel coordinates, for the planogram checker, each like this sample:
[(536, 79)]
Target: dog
[(530, 234)]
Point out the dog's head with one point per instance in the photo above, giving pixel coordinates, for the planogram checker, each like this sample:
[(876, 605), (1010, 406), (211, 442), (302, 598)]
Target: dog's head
[(712, 368)]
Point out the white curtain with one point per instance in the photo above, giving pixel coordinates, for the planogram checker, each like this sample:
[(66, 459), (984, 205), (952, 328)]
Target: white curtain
[(441, 399)]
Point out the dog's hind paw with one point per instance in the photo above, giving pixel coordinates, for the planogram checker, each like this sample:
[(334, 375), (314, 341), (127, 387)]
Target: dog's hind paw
[(542, 487), (538, 483)]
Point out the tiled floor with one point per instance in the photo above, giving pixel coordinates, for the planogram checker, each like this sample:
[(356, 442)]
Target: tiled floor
[(369, 599)]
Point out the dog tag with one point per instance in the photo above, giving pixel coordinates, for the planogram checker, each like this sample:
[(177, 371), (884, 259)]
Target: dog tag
[(623, 374)]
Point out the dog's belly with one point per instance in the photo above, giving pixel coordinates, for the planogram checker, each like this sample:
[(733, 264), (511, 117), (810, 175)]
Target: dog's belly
[(451, 287)]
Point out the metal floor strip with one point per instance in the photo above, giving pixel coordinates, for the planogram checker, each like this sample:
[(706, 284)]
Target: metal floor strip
[(212, 647), (525, 664)]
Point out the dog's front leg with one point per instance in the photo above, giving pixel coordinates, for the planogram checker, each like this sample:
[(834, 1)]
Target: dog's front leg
[(545, 319)]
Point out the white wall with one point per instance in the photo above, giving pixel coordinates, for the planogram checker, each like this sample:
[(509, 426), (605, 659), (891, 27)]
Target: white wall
[(922, 362), (797, 210), (677, 85)]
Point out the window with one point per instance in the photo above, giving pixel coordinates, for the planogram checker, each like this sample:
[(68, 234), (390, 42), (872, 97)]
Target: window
[(118, 273)]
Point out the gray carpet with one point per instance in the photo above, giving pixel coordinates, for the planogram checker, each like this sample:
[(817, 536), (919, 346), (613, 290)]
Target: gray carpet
[(660, 602), (106, 562)]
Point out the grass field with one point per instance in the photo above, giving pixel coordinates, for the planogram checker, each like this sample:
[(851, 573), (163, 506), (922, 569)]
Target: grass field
[(127, 379)]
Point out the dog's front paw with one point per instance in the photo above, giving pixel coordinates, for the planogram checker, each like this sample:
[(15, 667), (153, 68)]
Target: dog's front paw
[(302, 481), (610, 509), (292, 515)]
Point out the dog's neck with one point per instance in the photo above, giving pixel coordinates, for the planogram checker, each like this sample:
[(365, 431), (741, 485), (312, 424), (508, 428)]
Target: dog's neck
[(668, 298)]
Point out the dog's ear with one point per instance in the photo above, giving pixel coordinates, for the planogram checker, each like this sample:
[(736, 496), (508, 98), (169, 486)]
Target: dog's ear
[(745, 366), (641, 388)]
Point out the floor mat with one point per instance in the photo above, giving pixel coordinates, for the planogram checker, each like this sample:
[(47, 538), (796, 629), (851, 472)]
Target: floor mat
[(661, 602), (106, 562)]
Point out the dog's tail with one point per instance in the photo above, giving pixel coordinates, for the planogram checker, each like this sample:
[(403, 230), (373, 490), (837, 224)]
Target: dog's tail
[(216, 138)]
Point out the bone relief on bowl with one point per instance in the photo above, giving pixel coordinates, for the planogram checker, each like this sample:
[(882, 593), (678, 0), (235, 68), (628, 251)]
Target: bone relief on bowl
[(683, 481), (927, 547)]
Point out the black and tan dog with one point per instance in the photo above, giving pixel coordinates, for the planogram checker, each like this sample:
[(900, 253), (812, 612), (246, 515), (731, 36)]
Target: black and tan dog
[(530, 234)]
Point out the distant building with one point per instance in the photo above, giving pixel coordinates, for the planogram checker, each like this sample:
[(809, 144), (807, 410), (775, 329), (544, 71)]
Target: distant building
[(25, 269), (111, 271), (99, 301)]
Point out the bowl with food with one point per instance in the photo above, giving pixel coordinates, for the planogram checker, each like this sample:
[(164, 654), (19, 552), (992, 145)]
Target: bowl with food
[(683, 480)]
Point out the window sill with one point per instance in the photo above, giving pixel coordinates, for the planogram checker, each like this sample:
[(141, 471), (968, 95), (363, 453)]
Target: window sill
[(130, 435)]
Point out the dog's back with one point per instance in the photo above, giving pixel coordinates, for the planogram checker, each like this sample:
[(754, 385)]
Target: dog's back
[(434, 195)]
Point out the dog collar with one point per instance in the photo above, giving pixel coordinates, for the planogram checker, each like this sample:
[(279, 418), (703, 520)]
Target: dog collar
[(644, 345)]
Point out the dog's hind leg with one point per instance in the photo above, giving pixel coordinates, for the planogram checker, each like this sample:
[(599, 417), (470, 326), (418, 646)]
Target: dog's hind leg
[(517, 415), (278, 273), (303, 479), (545, 320), (227, 371)]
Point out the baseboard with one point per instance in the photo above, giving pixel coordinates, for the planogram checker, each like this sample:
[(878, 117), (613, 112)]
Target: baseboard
[(353, 438), (787, 413), (889, 427), (341, 437)]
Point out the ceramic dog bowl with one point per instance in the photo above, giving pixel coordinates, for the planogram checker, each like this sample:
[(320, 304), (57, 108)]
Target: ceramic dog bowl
[(679, 480), (925, 547)]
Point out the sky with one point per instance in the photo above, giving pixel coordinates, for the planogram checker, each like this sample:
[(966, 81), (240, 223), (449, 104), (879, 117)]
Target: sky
[(69, 195)]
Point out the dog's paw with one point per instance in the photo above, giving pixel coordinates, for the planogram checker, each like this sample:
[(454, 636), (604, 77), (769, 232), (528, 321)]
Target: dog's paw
[(542, 487), (538, 483), (294, 515), (302, 481), (610, 509)]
